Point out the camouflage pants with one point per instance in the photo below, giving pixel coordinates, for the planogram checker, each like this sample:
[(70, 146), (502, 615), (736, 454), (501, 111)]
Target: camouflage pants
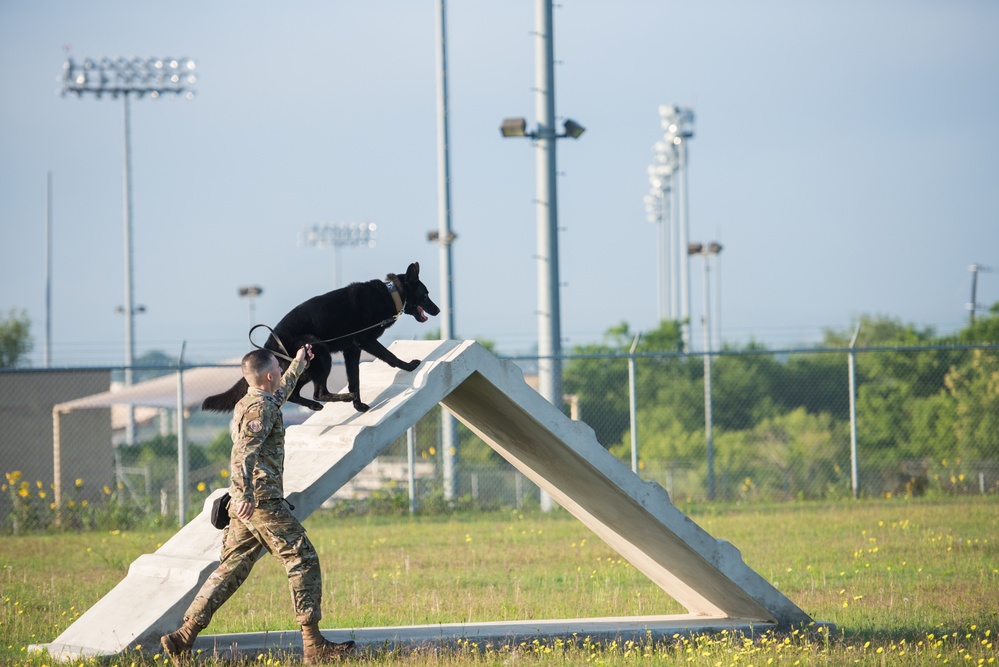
[(272, 527)]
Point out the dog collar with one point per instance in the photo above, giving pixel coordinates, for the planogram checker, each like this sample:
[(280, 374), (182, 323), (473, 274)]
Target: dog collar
[(395, 289)]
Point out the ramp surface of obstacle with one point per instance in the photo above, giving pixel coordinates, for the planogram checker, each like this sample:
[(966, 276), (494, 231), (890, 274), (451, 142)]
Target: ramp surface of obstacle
[(636, 518)]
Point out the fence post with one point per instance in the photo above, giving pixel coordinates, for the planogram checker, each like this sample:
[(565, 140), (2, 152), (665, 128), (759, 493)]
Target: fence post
[(411, 458), (852, 367), (632, 405), (181, 444)]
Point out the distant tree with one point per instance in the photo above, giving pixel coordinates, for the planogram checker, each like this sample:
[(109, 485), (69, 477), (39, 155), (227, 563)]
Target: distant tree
[(984, 331), (902, 409), (975, 388), (796, 453), (598, 377), (15, 339), (745, 388), (818, 382)]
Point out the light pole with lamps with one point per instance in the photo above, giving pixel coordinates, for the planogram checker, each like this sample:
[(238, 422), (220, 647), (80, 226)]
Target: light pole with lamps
[(338, 236), (678, 127), (657, 211), (705, 251), (250, 293), (545, 136), (124, 77)]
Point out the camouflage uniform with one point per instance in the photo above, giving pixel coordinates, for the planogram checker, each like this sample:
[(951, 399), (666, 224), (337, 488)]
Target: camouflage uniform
[(257, 474)]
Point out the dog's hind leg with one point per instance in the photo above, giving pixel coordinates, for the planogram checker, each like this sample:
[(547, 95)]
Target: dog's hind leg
[(319, 372), (296, 393), (296, 397)]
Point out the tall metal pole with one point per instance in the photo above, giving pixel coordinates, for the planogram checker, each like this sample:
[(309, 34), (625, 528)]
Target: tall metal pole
[(657, 209), (706, 251), (662, 259), (129, 299), (708, 422), (48, 270), (545, 136), (449, 425), (549, 313), (684, 229), (973, 304), (678, 125), (678, 251)]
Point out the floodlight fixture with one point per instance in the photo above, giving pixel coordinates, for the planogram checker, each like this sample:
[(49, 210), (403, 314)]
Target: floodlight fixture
[(514, 127), (573, 129), (340, 235), (130, 76), (435, 235), (705, 249), (251, 292), (517, 127)]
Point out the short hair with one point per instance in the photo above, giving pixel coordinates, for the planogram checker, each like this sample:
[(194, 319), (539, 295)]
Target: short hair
[(255, 363)]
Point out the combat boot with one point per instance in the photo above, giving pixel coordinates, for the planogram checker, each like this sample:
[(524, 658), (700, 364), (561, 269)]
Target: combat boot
[(177, 645), (317, 649)]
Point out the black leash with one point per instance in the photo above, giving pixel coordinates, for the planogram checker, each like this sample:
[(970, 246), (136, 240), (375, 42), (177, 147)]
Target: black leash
[(287, 355)]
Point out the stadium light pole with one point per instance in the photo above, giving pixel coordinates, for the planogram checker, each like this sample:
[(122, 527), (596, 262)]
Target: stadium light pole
[(340, 235), (250, 293), (445, 238), (657, 211), (125, 78), (545, 136), (706, 251), (678, 127)]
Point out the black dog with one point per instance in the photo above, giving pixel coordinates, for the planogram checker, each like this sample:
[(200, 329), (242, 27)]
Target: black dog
[(347, 320)]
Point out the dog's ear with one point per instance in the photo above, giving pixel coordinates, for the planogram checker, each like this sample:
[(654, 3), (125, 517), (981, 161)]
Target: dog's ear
[(413, 272)]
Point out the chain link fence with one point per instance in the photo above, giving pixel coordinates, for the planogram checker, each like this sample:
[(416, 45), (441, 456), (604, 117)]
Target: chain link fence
[(768, 426)]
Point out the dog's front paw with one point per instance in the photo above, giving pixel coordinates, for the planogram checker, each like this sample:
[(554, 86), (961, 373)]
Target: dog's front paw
[(360, 407), (410, 366)]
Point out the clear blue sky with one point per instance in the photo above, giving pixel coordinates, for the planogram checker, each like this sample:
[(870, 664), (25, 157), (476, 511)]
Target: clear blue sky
[(846, 155)]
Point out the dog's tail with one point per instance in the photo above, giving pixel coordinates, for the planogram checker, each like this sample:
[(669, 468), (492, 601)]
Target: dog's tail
[(226, 401)]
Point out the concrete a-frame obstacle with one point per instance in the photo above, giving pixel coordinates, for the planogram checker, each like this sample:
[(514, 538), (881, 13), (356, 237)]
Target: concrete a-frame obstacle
[(636, 518)]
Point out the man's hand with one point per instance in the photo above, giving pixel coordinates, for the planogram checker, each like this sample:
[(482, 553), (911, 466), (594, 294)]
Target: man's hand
[(304, 353), (243, 510)]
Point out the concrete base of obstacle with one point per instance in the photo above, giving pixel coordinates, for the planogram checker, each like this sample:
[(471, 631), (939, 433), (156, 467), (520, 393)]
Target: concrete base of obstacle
[(495, 635)]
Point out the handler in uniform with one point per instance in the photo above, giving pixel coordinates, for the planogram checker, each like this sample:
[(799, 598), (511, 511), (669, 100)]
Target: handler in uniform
[(260, 517)]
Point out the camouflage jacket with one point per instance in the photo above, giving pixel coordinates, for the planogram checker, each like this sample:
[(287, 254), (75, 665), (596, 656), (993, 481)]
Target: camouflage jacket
[(257, 460)]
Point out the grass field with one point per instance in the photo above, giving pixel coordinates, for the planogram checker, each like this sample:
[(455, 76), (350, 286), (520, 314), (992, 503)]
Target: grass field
[(906, 582)]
